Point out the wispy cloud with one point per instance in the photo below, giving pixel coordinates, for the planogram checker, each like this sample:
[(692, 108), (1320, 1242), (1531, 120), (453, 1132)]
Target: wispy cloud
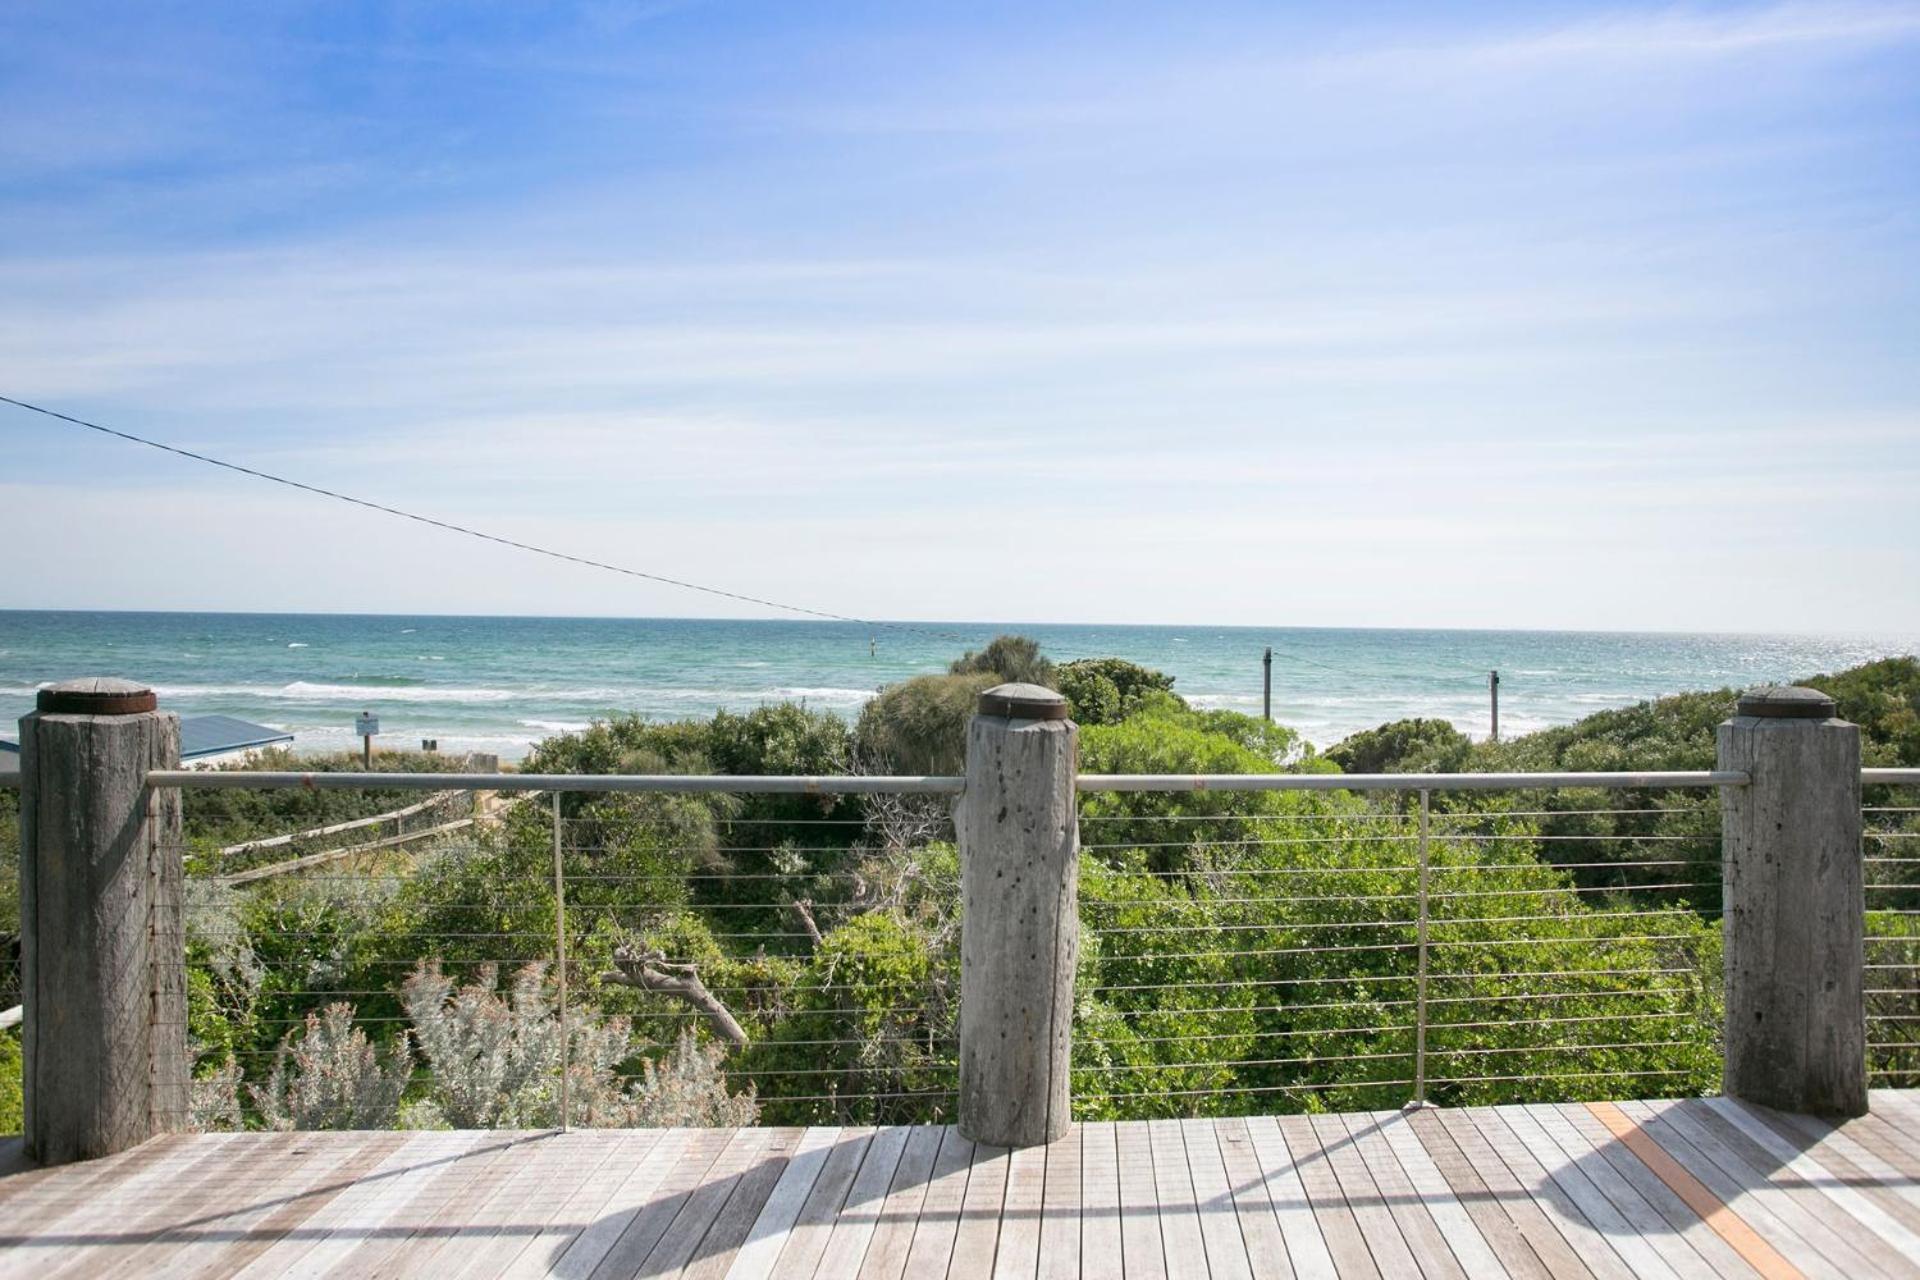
[(1668, 33), (1551, 295), (1257, 78), (412, 331)]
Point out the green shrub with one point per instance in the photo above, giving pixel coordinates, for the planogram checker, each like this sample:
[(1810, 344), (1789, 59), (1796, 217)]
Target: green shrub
[(13, 1104), (1014, 659), (1403, 746), (1108, 690), (1176, 830), (870, 1028), (919, 726)]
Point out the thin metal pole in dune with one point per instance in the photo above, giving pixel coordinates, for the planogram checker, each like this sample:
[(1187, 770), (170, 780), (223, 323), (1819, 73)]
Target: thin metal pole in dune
[(1493, 693), (560, 960), (1266, 685)]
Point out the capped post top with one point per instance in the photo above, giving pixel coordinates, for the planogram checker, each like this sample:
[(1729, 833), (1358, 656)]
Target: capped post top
[(1785, 702), (96, 696), (1023, 702)]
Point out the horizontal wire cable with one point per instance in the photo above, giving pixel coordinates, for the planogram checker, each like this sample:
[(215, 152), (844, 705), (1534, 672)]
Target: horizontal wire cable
[(1433, 1052), (1242, 1062), (1188, 904), (1284, 817), (1489, 998), (1260, 1088), (1274, 927), (1535, 1077), (1575, 889), (1618, 941), (1289, 1033), (1555, 1022), (1169, 1011)]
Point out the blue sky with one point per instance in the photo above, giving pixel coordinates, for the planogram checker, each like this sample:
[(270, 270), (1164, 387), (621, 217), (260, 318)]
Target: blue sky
[(1526, 315)]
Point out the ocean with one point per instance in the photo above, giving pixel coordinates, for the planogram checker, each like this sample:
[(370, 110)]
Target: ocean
[(501, 684)]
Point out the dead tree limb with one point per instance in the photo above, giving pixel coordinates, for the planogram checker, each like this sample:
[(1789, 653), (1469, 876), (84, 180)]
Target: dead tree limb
[(803, 908), (651, 971)]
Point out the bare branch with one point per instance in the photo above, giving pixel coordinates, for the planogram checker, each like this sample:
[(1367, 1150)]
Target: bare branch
[(803, 908), (651, 971), (900, 823)]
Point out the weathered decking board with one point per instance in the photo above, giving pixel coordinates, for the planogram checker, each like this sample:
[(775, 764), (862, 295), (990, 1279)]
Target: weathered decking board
[(1705, 1189)]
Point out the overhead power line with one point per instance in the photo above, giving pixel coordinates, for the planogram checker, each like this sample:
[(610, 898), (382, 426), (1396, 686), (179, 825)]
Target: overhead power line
[(450, 527), (567, 557)]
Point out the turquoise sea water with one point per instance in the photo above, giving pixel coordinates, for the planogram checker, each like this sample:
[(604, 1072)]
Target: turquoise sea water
[(499, 684)]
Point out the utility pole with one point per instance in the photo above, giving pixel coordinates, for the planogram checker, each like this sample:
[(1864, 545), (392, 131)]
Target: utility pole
[(1266, 685), (1493, 691)]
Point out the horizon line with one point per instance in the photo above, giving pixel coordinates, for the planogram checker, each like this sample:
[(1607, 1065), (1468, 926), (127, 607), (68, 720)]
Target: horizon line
[(1906, 635)]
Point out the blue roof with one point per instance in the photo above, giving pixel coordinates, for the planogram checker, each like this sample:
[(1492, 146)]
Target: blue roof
[(212, 735), (202, 736)]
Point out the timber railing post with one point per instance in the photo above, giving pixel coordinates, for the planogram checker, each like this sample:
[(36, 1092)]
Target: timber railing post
[(1019, 831), (1795, 906), (103, 967)]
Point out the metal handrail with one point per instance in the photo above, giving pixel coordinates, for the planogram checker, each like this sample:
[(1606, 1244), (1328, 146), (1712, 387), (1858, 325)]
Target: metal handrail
[(750, 784), (212, 779), (741, 784), (1409, 781)]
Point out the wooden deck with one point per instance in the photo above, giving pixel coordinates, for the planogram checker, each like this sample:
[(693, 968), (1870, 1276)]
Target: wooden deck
[(1690, 1189)]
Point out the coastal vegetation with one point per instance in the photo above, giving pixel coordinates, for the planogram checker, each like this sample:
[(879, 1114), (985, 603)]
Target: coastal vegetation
[(795, 958)]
